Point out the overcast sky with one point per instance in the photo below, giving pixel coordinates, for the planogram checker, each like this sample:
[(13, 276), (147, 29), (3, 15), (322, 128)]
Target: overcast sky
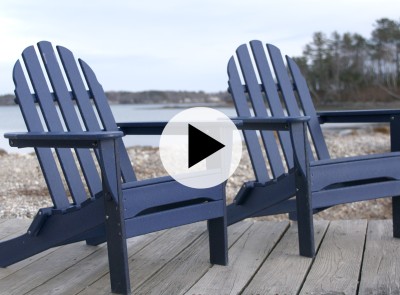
[(173, 45)]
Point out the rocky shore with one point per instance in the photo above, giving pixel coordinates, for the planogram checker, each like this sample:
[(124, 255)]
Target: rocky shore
[(23, 190)]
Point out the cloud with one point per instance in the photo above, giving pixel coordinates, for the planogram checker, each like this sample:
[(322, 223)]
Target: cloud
[(177, 43)]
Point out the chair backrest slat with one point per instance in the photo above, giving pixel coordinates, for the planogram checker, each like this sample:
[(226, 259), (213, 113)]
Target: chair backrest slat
[(33, 123), (250, 136), (286, 86), (272, 96), (70, 116), (107, 118), (260, 110), (79, 92), (60, 114), (309, 110), (53, 123), (287, 95)]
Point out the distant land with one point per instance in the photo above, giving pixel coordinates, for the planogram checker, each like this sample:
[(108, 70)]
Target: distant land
[(154, 97), (222, 98), (7, 99)]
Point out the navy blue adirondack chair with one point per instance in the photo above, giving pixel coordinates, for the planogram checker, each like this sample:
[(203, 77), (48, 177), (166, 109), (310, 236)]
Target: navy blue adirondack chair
[(110, 205), (305, 170)]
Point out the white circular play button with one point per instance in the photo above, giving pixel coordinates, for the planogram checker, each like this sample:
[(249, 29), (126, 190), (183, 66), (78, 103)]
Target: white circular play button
[(200, 147)]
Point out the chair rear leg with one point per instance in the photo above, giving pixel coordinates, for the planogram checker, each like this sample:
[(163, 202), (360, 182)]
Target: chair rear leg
[(396, 216), (218, 239), (96, 241), (305, 221), (395, 146), (97, 237), (293, 216)]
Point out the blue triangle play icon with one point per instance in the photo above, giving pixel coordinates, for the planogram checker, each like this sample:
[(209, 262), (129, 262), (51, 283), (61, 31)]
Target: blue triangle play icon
[(201, 145)]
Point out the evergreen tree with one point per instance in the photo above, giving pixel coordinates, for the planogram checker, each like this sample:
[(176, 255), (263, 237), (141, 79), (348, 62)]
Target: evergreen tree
[(350, 67)]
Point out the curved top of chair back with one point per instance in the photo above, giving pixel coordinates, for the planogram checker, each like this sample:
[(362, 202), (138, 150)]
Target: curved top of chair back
[(55, 96), (274, 91)]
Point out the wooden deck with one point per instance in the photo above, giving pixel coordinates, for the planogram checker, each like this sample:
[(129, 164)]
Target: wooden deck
[(354, 257)]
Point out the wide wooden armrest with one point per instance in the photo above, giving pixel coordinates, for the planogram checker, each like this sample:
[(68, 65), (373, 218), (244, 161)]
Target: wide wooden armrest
[(142, 128), (284, 123), (247, 123), (359, 116), (61, 139)]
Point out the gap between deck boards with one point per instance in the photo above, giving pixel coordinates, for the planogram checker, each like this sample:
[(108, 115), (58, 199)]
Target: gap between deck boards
[(353, 257)]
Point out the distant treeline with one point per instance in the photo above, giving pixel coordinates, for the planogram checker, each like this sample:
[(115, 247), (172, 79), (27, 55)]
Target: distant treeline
[(172, 97), (351, 68), (342, 69), (7, 99), (156, 97)]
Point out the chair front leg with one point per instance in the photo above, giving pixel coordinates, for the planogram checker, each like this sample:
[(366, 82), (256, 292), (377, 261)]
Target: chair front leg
[(114, 218), (303, 190)]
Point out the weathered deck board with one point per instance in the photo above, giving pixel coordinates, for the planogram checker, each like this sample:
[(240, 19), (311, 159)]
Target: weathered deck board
[(336, 268), (381, 265), (185, 270), (10, 229), (89, 269), (154, 256), (263, 260), (42, 270), (285, 270), (246, 256)]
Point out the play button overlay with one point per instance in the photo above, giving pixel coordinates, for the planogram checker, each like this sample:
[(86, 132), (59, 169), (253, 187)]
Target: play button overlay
[(200, 147)]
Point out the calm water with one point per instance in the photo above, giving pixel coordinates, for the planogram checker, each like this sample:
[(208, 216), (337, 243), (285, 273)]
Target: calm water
[(11, 121)]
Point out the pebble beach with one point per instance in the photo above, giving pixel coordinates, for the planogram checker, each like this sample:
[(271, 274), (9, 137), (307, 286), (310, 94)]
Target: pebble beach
[(23, 190)]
